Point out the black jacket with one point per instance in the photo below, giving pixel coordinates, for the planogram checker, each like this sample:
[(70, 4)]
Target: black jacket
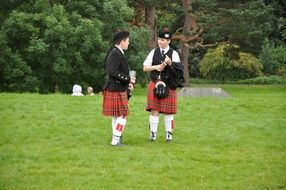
[(117, 70), (176, 76)]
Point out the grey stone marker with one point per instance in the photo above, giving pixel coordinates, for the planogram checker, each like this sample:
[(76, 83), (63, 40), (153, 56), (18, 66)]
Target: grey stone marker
[(203, 91)]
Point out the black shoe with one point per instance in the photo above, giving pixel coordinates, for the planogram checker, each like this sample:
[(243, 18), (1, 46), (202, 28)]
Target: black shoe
[(152, 137), (119, 144), (169, 140), (169, 137)]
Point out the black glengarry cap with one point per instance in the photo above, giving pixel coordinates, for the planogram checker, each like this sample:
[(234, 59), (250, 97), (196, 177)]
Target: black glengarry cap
[(165, 34), (120, 35)]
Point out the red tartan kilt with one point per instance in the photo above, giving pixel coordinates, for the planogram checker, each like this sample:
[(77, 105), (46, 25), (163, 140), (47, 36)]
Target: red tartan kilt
[(115, 103), (166, 105)]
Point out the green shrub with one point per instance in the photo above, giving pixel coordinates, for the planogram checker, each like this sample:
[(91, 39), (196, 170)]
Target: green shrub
[(273, 59), (226, 63), (265, 80)]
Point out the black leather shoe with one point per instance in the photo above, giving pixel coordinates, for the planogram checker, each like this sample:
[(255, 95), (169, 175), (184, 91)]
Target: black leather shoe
[(152, 137), (119, 144), (168, 140)]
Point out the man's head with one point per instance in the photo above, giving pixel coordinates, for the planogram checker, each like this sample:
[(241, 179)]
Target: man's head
[(164, 38), (121, 38)]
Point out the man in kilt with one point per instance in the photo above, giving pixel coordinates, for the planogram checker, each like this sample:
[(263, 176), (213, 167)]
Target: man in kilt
[(159, 62), (115, 97)]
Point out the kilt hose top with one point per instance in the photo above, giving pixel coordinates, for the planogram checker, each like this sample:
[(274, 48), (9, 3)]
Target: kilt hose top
[(166, 105)]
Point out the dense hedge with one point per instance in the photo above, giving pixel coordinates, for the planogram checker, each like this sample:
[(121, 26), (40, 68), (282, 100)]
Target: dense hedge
[(224, 63), (273, 58), (265, 80)]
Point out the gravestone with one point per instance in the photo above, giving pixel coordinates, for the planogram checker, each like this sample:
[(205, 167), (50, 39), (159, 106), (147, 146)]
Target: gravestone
[(203, 92)]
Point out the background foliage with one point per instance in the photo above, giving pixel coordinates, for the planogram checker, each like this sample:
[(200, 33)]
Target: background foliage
[(48, 46), (273, 58), (227, 63)]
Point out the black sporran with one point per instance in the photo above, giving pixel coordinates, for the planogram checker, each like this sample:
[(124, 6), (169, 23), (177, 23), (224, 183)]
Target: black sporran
[(161, 90), (129, 94)]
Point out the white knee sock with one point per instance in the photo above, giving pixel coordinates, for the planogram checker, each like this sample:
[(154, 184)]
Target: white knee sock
[(154, 121), (169, 125), (118, 130), (114, 118)]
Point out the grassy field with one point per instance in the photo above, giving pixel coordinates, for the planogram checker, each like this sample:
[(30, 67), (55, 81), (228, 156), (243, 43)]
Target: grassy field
[(63, 142)]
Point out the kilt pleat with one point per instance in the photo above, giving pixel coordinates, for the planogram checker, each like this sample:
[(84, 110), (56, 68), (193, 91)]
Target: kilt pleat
[(115, 103), (166, 105)]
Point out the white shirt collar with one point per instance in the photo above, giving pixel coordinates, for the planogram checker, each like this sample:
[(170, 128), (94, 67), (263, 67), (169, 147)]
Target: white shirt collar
[(165, 50), (120, 49)]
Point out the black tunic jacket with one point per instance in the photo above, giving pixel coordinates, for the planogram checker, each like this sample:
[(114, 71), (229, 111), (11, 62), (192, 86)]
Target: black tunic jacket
[(117, 70)]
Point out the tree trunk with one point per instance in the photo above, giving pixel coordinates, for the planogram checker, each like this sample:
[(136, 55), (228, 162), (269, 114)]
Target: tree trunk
[(184, 46), (150, 22)]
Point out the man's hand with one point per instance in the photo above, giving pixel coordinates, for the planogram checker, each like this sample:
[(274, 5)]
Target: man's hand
[(160, 67), (131, 86), (168, 60)]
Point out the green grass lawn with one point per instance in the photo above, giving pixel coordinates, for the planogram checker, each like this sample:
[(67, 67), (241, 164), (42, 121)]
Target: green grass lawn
[(62, 142)]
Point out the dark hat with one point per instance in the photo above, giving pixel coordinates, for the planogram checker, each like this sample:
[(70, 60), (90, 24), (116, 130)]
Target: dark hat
[(165, 33), (120, 35)]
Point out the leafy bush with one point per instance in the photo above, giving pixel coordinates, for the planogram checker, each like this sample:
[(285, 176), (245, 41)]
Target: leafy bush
[(273, 58), (226, 63), (265, 80)]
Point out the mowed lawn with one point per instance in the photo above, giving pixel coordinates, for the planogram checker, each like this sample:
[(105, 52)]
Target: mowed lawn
[(61, 142)]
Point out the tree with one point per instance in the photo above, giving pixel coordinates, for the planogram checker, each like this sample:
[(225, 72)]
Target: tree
[(15, 75), (59, 48), (186, 30), (50, 45), (273, 58), (246, 23), (278, 33), (191, 33)]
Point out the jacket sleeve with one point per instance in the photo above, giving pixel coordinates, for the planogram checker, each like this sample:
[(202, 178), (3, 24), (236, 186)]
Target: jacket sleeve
[(113, 68)]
